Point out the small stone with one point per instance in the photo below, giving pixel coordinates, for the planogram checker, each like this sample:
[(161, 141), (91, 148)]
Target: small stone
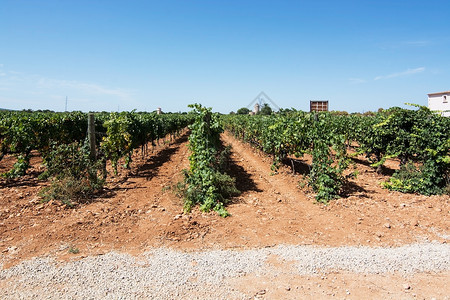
[(288, 288), (12, 249), (387, 225), (261, 292), (406, 286), (177, 217), (34, 200)]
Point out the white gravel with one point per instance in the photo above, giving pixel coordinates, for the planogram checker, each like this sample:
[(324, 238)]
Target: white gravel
[(167, 274)]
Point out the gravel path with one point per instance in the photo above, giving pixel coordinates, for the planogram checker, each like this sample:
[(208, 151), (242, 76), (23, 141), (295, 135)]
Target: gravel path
[(167, 274)]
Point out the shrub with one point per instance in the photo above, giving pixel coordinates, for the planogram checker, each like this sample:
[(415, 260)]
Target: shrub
[(75, 177)]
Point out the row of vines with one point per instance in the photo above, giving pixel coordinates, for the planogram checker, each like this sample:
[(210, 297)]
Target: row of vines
[(206, 182), (118, 133), (419, 139), (61, 140)]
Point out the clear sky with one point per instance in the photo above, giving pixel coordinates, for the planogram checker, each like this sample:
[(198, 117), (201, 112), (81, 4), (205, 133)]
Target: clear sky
[(122, 55)]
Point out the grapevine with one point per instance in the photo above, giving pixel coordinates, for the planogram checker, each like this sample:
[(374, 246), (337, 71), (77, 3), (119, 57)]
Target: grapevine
[(419, 139), (205, 184)]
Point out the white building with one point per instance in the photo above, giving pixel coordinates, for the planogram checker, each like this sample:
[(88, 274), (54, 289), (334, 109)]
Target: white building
[(256, 108), (440, 102)]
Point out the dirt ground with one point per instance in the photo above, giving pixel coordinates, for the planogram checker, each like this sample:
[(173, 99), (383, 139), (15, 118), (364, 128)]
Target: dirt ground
[(139, 210)]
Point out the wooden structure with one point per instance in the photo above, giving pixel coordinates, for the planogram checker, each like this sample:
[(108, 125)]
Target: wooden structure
[(318, 105)]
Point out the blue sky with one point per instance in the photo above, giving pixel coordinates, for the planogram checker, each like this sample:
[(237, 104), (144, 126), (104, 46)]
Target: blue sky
[(123, 55)]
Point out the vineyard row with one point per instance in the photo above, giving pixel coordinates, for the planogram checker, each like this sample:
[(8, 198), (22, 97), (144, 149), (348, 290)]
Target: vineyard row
[(419, 139), (117, 134)]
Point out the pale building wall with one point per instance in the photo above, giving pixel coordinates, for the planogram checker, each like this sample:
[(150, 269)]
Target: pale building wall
[(440, 101)]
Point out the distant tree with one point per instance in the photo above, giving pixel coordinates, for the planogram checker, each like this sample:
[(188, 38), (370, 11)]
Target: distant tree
[(232, 113), (243, 111), (286, 111), (369, 113), (266, 110), (340, 112)]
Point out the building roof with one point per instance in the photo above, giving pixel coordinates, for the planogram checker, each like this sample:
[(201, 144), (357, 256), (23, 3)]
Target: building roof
[(437, 94)]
